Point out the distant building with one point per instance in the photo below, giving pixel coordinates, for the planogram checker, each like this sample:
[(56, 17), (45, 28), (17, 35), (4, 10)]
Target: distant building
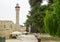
[(7, 27)]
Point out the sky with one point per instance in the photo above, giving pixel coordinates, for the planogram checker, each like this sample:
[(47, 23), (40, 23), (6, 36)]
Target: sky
[(7, 10), (44, 2)]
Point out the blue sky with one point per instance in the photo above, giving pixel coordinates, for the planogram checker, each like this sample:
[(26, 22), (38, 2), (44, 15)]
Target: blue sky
[(7, 10)]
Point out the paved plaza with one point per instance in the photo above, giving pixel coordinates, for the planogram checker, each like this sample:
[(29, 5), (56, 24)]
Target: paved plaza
[(30, 38), (24, 38)]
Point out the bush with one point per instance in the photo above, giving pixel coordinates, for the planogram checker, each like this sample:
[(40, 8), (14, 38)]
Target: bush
[(51, 23), (2, 39)]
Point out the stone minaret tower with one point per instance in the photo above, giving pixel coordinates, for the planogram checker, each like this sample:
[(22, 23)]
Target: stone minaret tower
[(17, 14)]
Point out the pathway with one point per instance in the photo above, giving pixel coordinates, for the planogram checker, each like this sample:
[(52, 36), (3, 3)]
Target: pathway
[(24, 38)]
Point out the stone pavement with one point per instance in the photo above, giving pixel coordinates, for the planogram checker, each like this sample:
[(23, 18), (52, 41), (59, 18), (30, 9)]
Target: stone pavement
[(24, 38)]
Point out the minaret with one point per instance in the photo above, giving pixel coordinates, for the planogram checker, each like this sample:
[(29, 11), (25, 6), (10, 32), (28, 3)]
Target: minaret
[(17, 14)]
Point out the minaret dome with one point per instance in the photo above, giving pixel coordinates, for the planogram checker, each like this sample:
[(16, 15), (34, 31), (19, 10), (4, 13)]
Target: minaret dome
[(17, 6)]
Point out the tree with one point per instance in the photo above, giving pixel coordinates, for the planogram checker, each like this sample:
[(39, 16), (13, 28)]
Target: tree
[(52, 19), (50, 1), (51, 23), (57, 11), (36, 16), (33, 3)]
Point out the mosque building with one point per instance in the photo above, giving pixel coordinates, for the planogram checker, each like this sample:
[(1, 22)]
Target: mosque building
[(7, 27)]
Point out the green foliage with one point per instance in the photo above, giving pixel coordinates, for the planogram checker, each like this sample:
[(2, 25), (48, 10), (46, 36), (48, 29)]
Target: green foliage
[(2, 39), (33, 3), (52, 19), (51, 23), (50, 1), (57, 11), (36, 16)]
